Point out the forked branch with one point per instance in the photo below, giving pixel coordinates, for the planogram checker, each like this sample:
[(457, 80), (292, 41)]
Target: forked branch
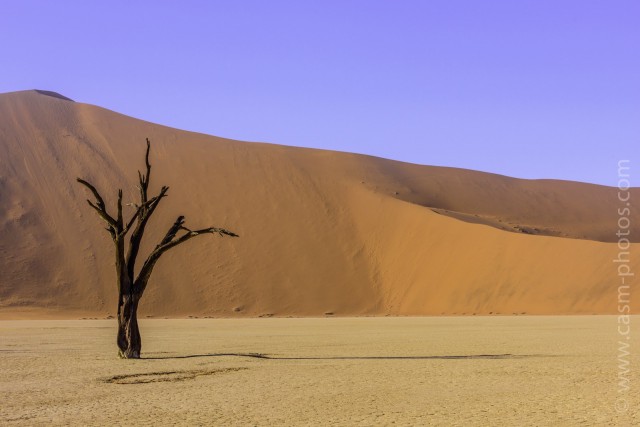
[(171, 241), (144, 212)]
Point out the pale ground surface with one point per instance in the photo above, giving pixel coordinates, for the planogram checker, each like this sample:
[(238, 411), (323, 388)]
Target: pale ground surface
[(338, 371)]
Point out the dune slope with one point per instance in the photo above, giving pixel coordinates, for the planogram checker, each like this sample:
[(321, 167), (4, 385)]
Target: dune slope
[(321, 231)]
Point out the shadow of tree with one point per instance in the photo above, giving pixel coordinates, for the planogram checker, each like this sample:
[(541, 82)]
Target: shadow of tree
[(431, 357)]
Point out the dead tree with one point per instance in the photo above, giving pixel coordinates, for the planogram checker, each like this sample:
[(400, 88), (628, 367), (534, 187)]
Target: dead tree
[(132, 287)]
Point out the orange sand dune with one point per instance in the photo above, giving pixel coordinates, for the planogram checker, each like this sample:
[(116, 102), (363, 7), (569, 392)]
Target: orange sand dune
[(321, 231)]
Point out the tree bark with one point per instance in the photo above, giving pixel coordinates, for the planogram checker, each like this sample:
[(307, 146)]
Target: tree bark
[(129, 342)]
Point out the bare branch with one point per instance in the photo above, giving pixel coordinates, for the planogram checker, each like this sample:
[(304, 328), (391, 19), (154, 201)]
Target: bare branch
[(145, 212), (105, 216), (177, 226), (126, 229), (119, 220), (139, 210), (100, 208), (146, 158), (145, 178), (215, 230), (99, 200), (170, 241), (141, 187)]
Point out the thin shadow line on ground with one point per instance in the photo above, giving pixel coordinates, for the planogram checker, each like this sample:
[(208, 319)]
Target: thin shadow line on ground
[(432, 357)]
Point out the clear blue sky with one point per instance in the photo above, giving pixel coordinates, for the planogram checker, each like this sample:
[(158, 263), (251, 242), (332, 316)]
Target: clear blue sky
[(532, 89)]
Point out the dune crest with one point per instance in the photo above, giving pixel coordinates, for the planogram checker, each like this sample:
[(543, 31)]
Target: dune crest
[(322, 231), (53, 94)]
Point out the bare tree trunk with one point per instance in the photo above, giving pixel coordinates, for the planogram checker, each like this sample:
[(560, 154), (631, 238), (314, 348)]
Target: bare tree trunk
[(129, 342), (122, 336)]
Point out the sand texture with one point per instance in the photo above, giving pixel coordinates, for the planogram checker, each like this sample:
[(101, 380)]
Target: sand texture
[(453, 371), (321, 231)]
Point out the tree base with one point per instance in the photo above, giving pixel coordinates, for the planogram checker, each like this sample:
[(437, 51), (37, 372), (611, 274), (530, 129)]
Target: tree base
[(128, 355)]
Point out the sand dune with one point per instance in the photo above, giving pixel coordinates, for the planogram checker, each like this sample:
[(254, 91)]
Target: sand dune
[(321, 231)]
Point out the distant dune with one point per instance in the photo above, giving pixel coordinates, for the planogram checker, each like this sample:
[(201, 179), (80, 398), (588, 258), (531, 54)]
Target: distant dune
[(321, 231)]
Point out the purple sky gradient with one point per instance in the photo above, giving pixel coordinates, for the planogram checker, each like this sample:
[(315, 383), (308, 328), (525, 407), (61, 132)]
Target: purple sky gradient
[(532, 89)]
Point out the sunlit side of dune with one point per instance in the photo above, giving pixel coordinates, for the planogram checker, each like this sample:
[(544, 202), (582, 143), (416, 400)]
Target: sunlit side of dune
[(321, 231)]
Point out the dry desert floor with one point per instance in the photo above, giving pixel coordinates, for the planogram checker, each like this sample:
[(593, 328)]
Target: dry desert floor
[(508, 370)]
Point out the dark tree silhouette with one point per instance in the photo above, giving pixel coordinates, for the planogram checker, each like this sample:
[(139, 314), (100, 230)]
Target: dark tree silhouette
[(131, 287)]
